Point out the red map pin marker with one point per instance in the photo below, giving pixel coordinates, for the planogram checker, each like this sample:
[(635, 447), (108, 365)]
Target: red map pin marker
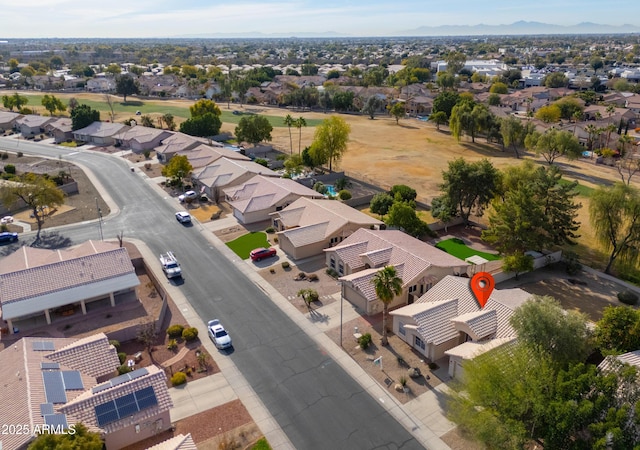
[(482, 285)]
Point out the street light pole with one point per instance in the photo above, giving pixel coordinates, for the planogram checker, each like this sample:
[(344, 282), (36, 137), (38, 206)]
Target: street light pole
[(99, 219)]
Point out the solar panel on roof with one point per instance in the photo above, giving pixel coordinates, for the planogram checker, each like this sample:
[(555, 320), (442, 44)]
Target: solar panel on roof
[(120, 379), (125, 406), (49, 365), (146, 398), (46, 408), (56, 420), (106, 413), (43, 345), (72, 380), (54, 387)]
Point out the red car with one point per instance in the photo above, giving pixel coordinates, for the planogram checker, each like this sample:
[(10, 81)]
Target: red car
[(261, 253)]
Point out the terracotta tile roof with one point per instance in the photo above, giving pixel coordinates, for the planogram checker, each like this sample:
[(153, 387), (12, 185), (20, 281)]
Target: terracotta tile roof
[(362, 281), (102, 129), (631, 358), (350, 254), (82, 407), (70, 270), (179, 142), (104, 356), (179, 442), (478, 324), (269, 189), (222, 172), (335, 214), (203, 155)]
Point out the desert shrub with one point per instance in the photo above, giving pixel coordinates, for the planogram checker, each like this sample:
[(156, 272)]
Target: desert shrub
[(285, 264), (312, 277), (10, 168), (124, 369), (4, 227), (628, 297), (433, 366), (172, 344), (344, 195), (320, 187), (190, 334), (572, 264), (364, 341), (270, 230), (302, 276), (178, 379), (332, 273), (146, 154), (175, 331), (122, 356), (147, 166)]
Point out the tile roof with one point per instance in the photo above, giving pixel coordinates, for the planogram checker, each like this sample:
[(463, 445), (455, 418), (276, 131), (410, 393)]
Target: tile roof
[(141, 134), (224, 171), (8, 116), (305, 212), (62, 124), (82, 407), (271, 190), (471, 349), (33, 120), (179, 442), (102, 129), (104, 356), (363, 281), (438, 321), (203, 155), (178, 142)]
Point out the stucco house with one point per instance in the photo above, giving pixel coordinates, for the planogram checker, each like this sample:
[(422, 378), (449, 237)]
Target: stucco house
[(307, 226), (60, 129), (205, 154), (224, 173), (139, 138), (178, 142), (8, 120), (447, 318), (41, 284), (255, 199), (360, 256), (100, 133), (32, 124), (58, 382)]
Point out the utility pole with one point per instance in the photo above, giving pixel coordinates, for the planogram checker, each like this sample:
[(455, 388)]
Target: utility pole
[(99, 219)]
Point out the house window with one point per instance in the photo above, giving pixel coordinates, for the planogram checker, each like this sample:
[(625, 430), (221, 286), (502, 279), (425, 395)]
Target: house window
[(401, 329), (419, 343), (341, 268), (332, 263), (413, 288)]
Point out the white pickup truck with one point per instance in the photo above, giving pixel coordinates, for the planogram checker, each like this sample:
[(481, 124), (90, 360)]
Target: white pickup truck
[(170, 265)]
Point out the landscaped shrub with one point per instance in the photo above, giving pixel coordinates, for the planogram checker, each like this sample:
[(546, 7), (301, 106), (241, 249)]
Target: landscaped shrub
[(285, 264), (190, 334), (20, 154), (10, 168), (344, 195), (122, 356), (178, 379), (433, 366), (628, 297), (312, 277), (5, 155), (320, 187), (175, 331), (364, 341), (146, 154), (124, 369), (270, 230), (332, 273), (115, 343), (172, 344)]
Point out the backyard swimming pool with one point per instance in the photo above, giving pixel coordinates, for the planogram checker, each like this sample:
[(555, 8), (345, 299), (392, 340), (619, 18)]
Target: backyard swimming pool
[(331, 190)]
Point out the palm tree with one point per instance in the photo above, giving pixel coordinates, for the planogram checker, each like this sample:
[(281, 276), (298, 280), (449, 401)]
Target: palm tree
[(299, 123), (592, 131), (289, 122), (387, 285), (610, 110)]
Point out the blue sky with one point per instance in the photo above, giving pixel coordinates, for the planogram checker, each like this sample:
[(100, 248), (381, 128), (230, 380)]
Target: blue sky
[(167, 18)]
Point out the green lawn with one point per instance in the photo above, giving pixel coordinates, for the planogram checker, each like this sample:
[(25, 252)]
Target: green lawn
[(134, 104), (455, 247), (243, 245)]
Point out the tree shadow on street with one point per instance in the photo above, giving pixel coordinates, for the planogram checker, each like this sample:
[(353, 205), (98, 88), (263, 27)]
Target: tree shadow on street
[(51, 240)]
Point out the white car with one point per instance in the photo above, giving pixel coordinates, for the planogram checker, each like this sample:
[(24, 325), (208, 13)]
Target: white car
[(183, 217), (6, 219), (218, 334), (192, 195)]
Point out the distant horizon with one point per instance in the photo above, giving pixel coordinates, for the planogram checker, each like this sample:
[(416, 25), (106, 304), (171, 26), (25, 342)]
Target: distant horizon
[(165, 19)]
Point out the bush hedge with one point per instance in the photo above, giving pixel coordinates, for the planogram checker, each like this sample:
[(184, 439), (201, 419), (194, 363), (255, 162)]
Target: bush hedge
[(178, 379), (190, 334), (122, 356), (175, 331)]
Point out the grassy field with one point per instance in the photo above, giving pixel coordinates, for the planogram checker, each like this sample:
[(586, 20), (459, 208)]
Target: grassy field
[(243, 245), (458, 249)]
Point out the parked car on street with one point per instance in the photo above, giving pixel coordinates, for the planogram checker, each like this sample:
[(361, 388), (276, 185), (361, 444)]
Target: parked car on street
[(218, 334), (183, 217), (191, 195), (6, 236), (261, 253), (170, 265), (6, 219)]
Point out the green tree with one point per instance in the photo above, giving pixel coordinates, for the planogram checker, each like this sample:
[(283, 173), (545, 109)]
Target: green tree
[(299, 123), (549, 114), (455, 62), (371, 105), (387, 285), (402, 215), (499, 88), (205, 125), (403, 193), (293, 165), (147, 121), (469, 187), (618, 331), (381, 203), (289, 122), (82, 116), (38, 194), (439, 118), (442, 210), (555, 80), (14, 101), (253, 129), (542, 324), (127, 85), (444, 102), (113, 69), (52, 104), (397, 111), (553, 144), (330, 141), (513, 133), (518, 263), (596, 62), (169, 121), (80, 439), (614, 213), (204, 106)]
